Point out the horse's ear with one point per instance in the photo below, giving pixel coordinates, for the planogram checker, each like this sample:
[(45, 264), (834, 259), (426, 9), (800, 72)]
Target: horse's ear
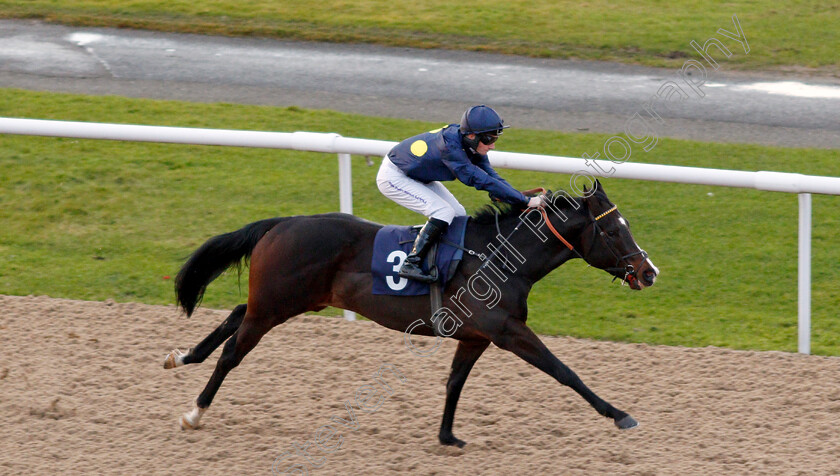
[(598, 186)]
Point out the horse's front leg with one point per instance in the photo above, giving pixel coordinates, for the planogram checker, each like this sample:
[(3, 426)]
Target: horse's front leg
[(466, 355), (516, 337)]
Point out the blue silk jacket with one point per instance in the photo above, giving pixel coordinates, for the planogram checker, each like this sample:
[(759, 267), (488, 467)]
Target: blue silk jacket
[(439, 156)]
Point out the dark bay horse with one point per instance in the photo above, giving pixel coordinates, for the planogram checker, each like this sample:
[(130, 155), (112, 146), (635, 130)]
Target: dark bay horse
[(306, 263)]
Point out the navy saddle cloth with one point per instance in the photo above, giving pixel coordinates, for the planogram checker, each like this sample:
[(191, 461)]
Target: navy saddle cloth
[(393, 243)]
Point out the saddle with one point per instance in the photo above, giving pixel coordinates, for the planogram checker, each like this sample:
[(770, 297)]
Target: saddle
[(393, 244)]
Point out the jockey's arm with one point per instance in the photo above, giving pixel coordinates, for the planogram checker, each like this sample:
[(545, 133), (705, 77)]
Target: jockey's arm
[(477, 177)]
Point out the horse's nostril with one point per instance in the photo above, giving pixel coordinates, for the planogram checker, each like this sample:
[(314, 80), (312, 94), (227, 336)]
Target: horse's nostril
[(650, 276)]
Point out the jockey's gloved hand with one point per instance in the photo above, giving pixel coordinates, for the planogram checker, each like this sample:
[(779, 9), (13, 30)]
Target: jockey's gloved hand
[(536, 202)]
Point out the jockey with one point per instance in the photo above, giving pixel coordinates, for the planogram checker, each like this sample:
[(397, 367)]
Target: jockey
[(411, 173)]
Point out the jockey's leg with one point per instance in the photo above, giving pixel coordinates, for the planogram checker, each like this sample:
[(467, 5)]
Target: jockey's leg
[(412, 267), (444, 193), (432, 200)]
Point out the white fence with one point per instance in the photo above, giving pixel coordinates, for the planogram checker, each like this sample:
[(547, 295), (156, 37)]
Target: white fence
[(804, 185)]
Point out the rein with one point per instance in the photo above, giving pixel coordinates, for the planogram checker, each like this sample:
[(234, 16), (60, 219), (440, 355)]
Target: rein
[(554, 231), (563, 240), (495, 252), (629, 270), (557, 233)]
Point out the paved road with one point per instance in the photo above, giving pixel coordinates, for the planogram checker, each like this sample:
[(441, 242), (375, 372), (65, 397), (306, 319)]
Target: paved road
[(420, 84)]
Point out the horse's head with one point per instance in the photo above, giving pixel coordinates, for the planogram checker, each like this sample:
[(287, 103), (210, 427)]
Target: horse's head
[(608, 244)]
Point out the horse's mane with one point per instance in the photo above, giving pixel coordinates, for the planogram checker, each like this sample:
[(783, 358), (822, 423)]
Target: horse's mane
[(487, 214)]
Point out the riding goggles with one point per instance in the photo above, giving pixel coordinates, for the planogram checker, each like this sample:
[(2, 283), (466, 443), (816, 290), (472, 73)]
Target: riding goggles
[(488, 138)]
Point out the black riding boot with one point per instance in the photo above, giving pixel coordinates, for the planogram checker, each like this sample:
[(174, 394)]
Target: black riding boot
[(412, 267)]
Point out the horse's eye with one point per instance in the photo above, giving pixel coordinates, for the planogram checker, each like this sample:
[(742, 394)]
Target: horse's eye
[(612, 233)]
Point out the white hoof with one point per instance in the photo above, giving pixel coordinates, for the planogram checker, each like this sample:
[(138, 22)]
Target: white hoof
[(191, 420), (174, 359)]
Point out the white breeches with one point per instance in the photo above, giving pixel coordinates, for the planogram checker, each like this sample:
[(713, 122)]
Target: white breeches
[(432, 199)]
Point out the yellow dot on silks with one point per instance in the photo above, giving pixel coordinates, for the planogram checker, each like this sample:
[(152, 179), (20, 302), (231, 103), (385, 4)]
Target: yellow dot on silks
[(419, 148), (436, 130)]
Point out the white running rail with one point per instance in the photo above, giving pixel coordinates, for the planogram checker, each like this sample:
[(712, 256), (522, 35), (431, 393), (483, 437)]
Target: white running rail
[(804, 185)]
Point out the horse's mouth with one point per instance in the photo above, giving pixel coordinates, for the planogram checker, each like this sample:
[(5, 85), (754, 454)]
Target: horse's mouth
[(634, 283), (647, 279)]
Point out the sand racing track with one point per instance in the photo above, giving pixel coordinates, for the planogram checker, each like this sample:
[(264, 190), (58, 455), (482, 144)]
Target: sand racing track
[(83, 391)]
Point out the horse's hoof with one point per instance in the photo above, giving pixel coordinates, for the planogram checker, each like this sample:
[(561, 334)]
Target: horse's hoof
[(174, 359), (452, 441), (626, 423), (186, 424), (191, 420)]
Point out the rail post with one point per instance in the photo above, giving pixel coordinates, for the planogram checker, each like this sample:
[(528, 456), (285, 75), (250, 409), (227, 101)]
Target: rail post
[(804, 273), (345, 197)]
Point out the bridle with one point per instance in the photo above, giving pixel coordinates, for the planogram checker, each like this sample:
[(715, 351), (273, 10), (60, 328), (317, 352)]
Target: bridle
[(629, 270)]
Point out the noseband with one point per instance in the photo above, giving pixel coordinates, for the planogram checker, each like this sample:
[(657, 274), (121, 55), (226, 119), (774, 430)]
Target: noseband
[(629, 270)]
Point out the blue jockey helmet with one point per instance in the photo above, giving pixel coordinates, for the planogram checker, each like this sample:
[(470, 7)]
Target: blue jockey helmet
[(482, 121)]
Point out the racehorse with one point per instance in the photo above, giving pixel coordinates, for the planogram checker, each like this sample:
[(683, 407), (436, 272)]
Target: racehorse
[(306, 263)]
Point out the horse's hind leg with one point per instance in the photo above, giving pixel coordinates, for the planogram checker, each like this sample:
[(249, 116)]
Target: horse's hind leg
[(245, 338), (197, 354), (465, 357), (520, 340)]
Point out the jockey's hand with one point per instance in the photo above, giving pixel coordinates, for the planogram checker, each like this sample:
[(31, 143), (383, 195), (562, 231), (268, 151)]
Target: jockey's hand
[(536, 202)]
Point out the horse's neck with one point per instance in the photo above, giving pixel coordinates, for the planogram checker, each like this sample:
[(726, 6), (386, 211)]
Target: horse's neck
[(541, 257), (525, 249)]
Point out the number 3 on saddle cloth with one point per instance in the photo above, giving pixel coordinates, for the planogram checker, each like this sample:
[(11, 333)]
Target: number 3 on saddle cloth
[(393, 244)]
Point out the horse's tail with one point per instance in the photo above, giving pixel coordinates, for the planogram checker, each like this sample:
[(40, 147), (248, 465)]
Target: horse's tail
[(213, 258)]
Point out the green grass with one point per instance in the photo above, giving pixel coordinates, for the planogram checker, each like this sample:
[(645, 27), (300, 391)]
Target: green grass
[(99, 219), (781, 35)]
